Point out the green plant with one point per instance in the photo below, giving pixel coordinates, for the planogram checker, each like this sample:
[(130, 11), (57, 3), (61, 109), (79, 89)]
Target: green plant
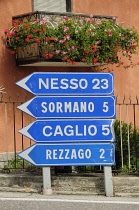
[(123, 131), (83, 40), (126, 131), (16, 163)]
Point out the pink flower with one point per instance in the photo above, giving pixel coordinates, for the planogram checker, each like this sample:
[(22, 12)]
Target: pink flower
[(91, 16), (113, 18), (67, 36), (65, 18), (45, 20), (131, 32), (12, 33), (6, 30), (64, 53), (98, 23), (61, 41), (109, 31), (72, 47), (57, 51), (98, 42)]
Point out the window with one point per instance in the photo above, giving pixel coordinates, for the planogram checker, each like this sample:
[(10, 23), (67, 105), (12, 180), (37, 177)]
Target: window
[(52, 5)]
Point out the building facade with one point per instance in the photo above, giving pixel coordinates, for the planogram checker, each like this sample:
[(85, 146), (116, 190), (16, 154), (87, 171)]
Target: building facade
[(126, 81)]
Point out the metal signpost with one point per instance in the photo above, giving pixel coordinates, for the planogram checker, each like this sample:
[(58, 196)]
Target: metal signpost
[(74, 123)]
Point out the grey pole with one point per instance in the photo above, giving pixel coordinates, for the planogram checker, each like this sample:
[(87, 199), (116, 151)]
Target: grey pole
[(108, 181), (47, 190)]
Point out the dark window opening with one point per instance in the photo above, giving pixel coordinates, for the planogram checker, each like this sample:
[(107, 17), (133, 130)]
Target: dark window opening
[(52, 5)]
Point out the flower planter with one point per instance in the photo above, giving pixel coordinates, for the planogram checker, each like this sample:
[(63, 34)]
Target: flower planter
[(30, 56), (66, 39)]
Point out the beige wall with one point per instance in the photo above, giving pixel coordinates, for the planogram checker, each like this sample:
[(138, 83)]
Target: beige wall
[(126, 81)]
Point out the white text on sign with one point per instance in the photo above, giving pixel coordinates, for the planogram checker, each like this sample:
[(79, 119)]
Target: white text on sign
[(69, 130), (60, 107), (55, 83)]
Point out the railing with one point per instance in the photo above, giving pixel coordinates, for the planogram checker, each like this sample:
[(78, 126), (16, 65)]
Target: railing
[(126, 130), (53, 16)]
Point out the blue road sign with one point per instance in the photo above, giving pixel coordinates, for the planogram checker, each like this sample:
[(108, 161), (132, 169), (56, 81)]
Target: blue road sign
[(84, 130), (70, 107), (48, 83), (70, 154)]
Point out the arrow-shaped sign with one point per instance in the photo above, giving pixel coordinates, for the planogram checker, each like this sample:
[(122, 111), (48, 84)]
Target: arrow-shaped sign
[(70, 154), (70, 107), (70, 130), (48, 83)]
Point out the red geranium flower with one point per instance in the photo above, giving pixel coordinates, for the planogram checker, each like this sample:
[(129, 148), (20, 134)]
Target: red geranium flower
[(46, 38), (12, 52), (53, 39), (15, 25), (29, 35), (50, 55), (25, 25), (27, 39), (83, 59), (134, 46), (37, 40), (73, 63), (95, 60), (115, 56), (90, 21), (65, 58), (94, 47)]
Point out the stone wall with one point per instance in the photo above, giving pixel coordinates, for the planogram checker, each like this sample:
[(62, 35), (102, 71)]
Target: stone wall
[(124, 185)]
